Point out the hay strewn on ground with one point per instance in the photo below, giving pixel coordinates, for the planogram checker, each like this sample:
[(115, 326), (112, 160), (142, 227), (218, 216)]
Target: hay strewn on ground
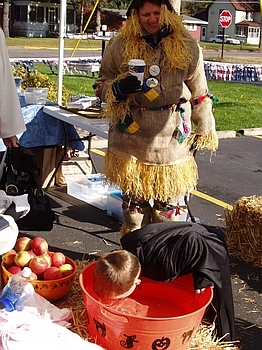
[(244, 230), (205, 338)]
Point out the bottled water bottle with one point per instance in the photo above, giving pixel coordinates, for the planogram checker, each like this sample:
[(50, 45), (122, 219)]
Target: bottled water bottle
[(13, 290)]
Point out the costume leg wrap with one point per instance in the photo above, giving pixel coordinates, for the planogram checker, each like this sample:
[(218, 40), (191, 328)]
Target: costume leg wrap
[(169, 212), (136, 215)]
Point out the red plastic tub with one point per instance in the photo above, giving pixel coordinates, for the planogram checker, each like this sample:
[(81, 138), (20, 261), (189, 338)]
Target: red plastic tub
[(174, 315)]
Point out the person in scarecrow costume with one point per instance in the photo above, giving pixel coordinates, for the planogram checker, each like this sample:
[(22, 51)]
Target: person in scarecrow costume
[(150, 125)]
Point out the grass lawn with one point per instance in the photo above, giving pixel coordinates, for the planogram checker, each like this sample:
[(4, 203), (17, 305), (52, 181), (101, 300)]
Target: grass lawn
[(239, 106)]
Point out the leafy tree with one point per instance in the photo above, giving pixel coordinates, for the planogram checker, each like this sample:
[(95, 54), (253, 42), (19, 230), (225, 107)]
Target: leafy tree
[(191, 7)]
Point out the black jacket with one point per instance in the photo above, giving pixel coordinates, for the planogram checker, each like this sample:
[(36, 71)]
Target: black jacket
[(167, 250)]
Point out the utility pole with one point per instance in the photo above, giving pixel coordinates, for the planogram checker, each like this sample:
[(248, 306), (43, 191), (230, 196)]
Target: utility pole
[(176, 5)]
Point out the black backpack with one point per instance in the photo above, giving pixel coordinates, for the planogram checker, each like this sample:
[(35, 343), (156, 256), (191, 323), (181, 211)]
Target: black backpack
[(20, 173), (20, 176)]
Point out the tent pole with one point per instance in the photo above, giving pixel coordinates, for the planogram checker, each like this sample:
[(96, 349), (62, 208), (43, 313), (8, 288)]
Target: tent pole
[(62, 32)]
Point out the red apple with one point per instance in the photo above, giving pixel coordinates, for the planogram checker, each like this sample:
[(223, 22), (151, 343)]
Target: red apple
[(66, 269), (22, 258), (38, 265), (39, 245), (48, 258), (58, 259), (8, 257), (31, 253), (23, 243), (52, 273), (14, 269)]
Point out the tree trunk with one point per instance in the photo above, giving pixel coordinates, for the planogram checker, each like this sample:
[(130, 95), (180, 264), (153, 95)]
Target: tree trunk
[(98, 20), (6, 18), (81, 18)]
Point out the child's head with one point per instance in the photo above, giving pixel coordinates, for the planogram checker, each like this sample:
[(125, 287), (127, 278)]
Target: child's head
[(116, 275)]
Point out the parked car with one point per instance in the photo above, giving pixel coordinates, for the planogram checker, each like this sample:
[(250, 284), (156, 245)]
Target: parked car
[(227, 40)]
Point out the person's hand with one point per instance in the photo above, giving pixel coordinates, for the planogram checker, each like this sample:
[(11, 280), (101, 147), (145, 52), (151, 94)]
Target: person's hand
[(199, 291), (11, 141), (129, 85)]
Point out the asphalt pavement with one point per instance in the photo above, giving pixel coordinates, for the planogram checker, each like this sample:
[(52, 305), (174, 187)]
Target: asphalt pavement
[(27, 53)]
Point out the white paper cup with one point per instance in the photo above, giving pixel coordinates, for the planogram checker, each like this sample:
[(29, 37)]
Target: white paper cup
[(137, 68)]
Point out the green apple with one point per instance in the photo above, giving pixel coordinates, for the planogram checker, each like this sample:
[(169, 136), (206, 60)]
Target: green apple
[(66, 269), (22, 258)]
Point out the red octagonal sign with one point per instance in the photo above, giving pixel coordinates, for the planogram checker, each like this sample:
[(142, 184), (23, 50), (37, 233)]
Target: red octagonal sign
[(225, 18)]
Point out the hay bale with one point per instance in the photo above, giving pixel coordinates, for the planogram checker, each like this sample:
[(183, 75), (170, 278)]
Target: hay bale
[(205, 337), (244, 230)]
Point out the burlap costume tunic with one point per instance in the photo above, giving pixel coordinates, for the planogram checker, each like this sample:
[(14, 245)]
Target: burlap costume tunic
[(146, 160)]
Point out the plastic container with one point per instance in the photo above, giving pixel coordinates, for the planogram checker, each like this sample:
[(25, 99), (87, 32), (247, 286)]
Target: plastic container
[(114, 206), (96, 182), (13, 290), (7, 305), (91, 189), (174, 315), (18, 84), (36, 96)]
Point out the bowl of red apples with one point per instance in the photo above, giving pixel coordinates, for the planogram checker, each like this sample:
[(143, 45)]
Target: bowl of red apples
[(53, 273)]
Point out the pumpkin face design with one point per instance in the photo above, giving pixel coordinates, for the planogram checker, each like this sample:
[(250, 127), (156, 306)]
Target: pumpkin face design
[(161, 344)]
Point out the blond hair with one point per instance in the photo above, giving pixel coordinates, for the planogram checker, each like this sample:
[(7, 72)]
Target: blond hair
[(115, 274), (177, 46)]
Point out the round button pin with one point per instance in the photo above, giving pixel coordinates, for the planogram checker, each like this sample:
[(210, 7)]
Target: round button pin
[(154, 70), (151, 82)]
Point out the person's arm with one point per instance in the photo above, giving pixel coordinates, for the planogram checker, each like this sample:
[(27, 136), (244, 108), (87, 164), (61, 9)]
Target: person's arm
[(202, 108), (11, 118), (109, 84)]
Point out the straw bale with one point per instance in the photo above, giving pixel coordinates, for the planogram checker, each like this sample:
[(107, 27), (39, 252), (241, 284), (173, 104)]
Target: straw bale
[(205, 338), (244, 230)]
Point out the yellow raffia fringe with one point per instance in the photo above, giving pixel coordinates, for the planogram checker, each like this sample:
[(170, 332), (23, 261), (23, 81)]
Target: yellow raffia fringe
[(159, 182), (116, 111), (204, 142), (177, 50)]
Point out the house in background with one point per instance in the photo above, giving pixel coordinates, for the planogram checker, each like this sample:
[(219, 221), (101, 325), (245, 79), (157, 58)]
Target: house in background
[(193, 25), (42, 19), (39, 19), (245, 24), (196, 27)]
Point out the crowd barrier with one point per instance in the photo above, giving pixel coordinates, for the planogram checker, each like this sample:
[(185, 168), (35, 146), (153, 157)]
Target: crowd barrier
[(233, 72), (213, 70)]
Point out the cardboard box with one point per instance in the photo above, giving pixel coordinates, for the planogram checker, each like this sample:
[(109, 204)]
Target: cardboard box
[(48, 157), (46, 162), (72, 168)]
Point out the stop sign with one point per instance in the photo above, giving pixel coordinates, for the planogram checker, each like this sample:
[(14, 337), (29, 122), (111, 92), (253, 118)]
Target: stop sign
[(225, 18)]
